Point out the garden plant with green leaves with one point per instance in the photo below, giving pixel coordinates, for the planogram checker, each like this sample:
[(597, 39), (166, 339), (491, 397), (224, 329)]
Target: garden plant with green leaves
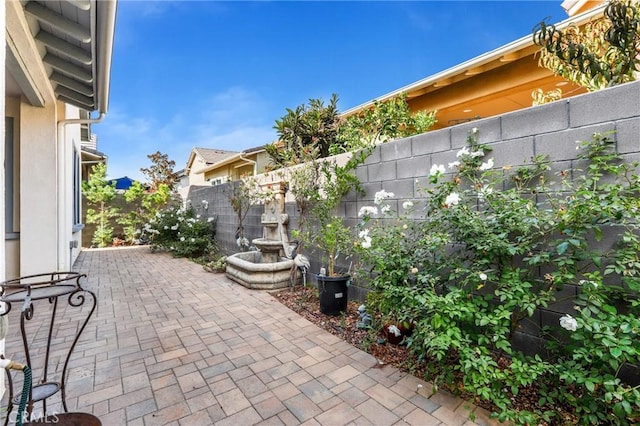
[(99, 194), (381, 122), (182, 232), (493, 248), (604, 53), (144, 206)]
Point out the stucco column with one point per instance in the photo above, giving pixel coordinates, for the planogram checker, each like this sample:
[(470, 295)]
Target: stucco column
[(38, 189)]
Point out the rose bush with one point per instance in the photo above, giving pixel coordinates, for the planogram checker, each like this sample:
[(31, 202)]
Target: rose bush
[(493, 248), (182, 232)]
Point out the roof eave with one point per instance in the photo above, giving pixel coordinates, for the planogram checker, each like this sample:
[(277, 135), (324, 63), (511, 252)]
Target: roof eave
[(478, 61)]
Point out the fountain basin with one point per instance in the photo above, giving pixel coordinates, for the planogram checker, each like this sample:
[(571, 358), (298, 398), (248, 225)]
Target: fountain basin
[(270, 249), (247, 269)]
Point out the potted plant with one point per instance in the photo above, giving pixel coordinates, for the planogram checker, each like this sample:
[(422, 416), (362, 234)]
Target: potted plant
[(331, 235), (306, 136)]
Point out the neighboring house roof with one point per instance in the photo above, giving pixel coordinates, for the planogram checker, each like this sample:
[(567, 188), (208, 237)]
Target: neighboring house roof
[(239, 156), (123, 182), (208, 156), (75, 42), (493, 83)]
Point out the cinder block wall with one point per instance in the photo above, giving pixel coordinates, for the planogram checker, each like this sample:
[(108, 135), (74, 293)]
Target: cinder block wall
[(402, 166)]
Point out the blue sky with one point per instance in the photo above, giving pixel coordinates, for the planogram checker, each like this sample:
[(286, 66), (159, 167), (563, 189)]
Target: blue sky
[(218, 74)]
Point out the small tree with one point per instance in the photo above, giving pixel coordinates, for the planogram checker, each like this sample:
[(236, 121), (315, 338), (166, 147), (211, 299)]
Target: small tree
[(99, 193), (309, 130), (161, 171), (145, 206), (605, 53), (242, 195)]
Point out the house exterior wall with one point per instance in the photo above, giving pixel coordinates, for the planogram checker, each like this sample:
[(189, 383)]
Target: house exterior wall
[(196, 178), (402, 166), (43, 161), (3, 22)]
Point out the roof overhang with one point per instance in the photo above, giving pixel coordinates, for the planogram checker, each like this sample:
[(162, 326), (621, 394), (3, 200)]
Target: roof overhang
[(221, 163), (506, 54), (91, 155), (74, 41)]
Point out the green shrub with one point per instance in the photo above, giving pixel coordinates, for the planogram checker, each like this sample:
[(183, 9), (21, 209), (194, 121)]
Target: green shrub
[(182, 232), (488, 254)]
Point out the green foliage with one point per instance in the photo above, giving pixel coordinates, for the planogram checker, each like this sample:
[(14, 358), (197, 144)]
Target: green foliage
[(605, 53), (468, 275), (330, 233), (304, 185), (99, 193), (316, 131), (307, 131), (244, 194), (145, 205), (384, 121), (182, 232)]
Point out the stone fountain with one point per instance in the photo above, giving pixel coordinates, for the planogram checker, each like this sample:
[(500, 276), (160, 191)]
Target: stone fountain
[(266, 268)]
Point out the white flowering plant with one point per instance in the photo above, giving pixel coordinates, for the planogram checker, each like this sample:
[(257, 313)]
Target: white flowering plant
[(182, 231), (468, 275)]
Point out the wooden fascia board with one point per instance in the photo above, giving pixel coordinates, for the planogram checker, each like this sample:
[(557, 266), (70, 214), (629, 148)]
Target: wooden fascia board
[(478, 87)]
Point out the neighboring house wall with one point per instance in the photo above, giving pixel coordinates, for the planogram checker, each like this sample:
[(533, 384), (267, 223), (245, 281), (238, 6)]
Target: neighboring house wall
[(402, 166), (227, 172), (196, 178)]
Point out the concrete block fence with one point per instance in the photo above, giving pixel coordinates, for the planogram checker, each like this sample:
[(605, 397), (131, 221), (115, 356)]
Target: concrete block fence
[(402, 166)]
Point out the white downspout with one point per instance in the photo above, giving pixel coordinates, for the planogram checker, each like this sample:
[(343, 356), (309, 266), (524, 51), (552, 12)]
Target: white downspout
[(255, 163)]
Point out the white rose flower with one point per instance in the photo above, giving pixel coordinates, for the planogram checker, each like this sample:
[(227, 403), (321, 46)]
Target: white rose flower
[(366, 242), (368, 211), (483, 276), (488, 165), (463, 151), (452, 199), (437, 169), (568, 323), (407, 205), (382, 195)]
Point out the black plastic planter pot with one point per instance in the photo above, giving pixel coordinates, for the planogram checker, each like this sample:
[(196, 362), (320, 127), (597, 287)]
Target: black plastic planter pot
[(334, 293)]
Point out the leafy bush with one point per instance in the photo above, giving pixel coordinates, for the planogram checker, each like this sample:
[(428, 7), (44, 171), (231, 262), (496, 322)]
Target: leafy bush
[(99, 194), (604, 53), (382, 122), (145, 205), (182, 232), (488, 254)]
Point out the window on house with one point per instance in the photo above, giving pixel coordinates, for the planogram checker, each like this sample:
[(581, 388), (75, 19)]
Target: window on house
[(11, 233), (77, 191)]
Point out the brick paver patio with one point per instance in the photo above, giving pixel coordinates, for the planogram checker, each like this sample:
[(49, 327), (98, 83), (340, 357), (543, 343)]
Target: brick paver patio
[(173, 344)]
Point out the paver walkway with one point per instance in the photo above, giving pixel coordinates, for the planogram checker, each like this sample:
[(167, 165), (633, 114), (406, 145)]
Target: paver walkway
[(173, 344)]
